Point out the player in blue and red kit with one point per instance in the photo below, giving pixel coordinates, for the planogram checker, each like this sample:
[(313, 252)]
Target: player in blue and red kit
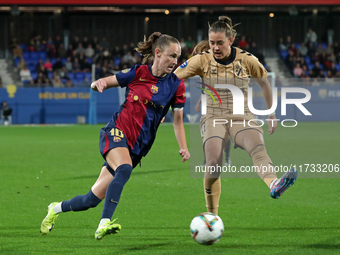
[(129, 135)]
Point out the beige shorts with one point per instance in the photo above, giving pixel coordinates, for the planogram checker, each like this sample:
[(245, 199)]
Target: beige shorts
[(227, 126)]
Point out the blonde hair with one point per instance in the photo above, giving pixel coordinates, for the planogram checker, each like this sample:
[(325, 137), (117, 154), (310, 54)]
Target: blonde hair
[(155, 40), (224, 25), (201, 47)]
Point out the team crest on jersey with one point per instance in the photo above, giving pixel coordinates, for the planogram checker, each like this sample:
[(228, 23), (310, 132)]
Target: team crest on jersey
[(184, 65), (154, 89), (126, 70), (117, 139)]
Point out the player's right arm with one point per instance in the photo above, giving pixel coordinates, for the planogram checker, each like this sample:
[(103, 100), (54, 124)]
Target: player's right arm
[(105, 83)]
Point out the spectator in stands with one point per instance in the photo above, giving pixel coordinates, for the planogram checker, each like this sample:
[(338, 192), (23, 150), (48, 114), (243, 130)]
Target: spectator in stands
[(332, 69), (63, 74), (69, 84), (293, 49), (80, 49), (298, 71), (61, 51), (51, 51), (85, 42), (69, 52), (68, 64), (253, 49), (190, 44), (89, 51), (281, 45), (94, 42), (76, 65), (15, 48), (39, 65), (303, 50), (57, 82), (243, 43), (6, 114), (311, 37), (57, 42), (288, 41), (25, 74), (104, 43), (317, 71), (48, 65), (21, 64), (57, 65), (85, 66), (75, 42)]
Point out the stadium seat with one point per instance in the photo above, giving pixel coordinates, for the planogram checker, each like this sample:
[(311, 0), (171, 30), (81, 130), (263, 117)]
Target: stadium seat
[(50, 74), (88, 75), (310, 66), (80, 76), (70, 75), (324, 45), (297, 45), (307, 60), (42, 55), (34, 75), (117, 61), (26, 56), (34, 57), (17, 61), (337, 66), (53, 60), (284, 54), (63, 60)]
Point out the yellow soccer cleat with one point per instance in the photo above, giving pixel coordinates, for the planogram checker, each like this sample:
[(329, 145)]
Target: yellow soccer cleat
[(50, 219)]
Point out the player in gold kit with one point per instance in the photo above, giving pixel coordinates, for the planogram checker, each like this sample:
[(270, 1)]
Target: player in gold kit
[(225, 64)]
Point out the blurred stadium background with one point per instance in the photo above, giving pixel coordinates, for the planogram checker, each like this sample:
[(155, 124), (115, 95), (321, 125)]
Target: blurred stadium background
[(51, 51)]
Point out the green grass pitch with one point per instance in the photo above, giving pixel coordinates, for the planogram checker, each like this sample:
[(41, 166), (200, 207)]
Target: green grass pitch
[(42, 164)]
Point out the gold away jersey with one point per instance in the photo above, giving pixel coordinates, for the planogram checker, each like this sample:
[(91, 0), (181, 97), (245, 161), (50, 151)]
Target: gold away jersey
[(236, 72)]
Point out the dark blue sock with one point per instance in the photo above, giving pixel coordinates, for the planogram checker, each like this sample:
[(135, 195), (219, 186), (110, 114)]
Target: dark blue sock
[(80, 203), (114, 190)]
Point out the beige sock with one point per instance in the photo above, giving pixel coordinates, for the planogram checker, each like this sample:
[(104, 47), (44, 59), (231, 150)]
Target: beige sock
[(212, 192)]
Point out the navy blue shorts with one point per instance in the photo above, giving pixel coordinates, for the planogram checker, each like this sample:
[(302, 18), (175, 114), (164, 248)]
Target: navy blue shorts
[(110, 138)]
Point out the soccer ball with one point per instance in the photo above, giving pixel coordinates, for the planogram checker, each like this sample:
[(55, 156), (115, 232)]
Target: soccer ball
[(207, 228)]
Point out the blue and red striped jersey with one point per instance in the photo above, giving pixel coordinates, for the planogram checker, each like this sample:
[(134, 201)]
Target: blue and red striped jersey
[(148, 99)]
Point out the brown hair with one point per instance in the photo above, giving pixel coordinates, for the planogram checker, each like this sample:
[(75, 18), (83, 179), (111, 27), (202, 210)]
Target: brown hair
[(155, 40), (201, 47), (224, 24)]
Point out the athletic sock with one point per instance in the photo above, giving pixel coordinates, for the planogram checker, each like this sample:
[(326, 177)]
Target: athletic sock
[(272, 183), (103, 221), (80, 203), (114, 190), (57, 208), (212, 192)]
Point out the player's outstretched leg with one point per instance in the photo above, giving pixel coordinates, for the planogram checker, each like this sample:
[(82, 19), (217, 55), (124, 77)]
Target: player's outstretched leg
[(50, 219), (283, 183), (107, 228)]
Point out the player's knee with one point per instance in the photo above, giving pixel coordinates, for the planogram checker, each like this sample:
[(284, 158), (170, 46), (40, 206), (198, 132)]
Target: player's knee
[(123, 172)]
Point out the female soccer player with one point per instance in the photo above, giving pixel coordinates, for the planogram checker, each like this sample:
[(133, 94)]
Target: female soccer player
[(130, 133), (225, 64), (203, 46)]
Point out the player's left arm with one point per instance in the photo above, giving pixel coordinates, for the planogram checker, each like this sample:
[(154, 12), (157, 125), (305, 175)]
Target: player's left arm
[(180, 134), (258, 71), (268, 96)]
